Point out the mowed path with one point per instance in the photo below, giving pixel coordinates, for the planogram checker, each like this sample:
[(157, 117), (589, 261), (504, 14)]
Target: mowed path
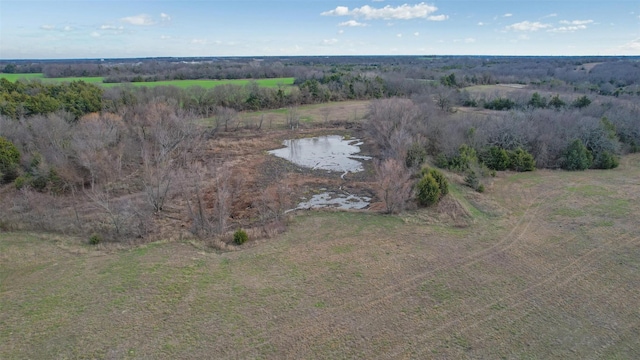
[(549, 269)]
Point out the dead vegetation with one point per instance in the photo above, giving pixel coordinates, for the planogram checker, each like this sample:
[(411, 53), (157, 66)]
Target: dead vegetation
[(153, 172)]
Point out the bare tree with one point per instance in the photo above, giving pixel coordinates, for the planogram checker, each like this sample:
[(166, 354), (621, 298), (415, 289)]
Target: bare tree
[(259, 126), (393, 185), (210, 215), (196, 205), (390, 124), (293, 118), (122, 218), (96, 144), (225, 117), (223, 190), (167, 140), (326, 112)]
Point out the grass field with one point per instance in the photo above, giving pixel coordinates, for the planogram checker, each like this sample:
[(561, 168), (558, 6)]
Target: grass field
[(179, 83), (548, 268), (311, 115)]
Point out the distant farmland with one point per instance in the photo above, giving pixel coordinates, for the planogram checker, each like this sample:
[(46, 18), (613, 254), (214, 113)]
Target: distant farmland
[(179, 83)]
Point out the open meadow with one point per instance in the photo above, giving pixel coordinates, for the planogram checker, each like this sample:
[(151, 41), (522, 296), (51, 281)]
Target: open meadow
[(207, 84), (542, 265)]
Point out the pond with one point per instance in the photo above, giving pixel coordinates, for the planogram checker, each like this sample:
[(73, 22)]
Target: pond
[(330, 199), (332, 153)]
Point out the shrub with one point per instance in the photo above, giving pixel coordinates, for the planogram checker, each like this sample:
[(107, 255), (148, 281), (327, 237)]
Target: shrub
[(581, 102), (463, 161), (439, 177), (39, 183), (496, 158), (500, 104), (240, 237), (9, 159), (415, 155), (95, 239), (472, 180), (21, 181), (538, 101), (521, 160), (428, 190), (556, 102), (606, 160), (442, 161), (577, 156)]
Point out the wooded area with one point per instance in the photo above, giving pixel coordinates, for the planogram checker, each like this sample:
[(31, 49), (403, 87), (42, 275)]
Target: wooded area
[(81, 159)]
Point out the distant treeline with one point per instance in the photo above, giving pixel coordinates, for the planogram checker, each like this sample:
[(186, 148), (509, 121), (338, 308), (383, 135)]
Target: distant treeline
[(318, 79), (604, 75)]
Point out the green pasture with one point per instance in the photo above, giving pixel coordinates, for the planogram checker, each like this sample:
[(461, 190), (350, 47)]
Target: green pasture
[(207, 84)]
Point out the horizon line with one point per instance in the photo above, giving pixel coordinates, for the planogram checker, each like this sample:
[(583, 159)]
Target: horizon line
[(308, 56)]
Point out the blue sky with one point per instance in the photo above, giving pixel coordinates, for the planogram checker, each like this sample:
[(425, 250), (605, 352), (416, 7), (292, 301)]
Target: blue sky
[(146, 28)]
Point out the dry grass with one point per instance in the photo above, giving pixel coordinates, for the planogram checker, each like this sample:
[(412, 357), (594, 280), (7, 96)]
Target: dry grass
[(317, 115), (548, 268)]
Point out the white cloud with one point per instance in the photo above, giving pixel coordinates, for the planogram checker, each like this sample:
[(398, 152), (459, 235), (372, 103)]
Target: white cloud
[(438, 17), (48, 27), (165, 37), (416, 34), (480, 23), (507, 15), (352, 23), (632, 46), (564, 29), (399, 35), (469, 40), (329, 41), (402, 12), (165, 17), (528, 26), (576, 22), (338, 11), (550, 15), (95, 34), (67, 28), (139, 20), (111, 27), (199, 41), (574, 25), (340, 31)]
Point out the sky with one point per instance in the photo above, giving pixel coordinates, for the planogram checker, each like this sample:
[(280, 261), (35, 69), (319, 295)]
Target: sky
[(62, 29)]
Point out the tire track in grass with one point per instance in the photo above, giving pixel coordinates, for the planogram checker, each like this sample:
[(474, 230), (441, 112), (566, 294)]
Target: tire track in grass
[(527, 294), (545, 275), (294, 337), (583, 265)]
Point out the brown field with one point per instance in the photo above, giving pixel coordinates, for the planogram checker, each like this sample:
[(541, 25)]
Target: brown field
[(542, 265), (316, 115)]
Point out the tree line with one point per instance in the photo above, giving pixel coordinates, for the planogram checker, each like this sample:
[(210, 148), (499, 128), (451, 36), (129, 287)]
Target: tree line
[(614, 76)]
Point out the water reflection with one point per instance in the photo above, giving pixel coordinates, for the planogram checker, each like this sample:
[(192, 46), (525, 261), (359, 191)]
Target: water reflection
[(332, 153)]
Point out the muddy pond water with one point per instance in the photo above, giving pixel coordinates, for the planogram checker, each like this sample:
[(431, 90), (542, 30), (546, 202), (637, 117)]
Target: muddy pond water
[(331, 153)]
